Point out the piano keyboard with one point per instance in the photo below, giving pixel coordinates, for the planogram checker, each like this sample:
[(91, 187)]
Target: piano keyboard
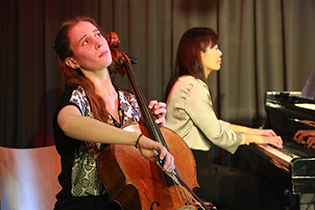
[(283, 156)]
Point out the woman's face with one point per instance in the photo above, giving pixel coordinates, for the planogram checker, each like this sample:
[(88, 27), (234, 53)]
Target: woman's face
[(211, 59), (90, 48)]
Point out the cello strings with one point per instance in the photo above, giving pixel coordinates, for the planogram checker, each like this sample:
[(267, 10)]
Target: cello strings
[(183, 190), (182, 193), (172, 175), (178, 193), (174, 178)]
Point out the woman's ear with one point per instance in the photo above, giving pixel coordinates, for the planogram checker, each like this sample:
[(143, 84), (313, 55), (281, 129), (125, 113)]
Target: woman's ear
[(201, 54), (71, 62)]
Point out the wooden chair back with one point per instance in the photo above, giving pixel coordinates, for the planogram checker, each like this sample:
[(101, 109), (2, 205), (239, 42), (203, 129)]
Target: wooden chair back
[(29, 178)]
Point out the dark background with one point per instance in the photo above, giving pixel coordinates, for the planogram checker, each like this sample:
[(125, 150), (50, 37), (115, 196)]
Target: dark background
[(266, 44)]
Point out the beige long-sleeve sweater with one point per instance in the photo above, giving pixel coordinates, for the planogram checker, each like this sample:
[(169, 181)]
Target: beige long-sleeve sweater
[(190, 114)]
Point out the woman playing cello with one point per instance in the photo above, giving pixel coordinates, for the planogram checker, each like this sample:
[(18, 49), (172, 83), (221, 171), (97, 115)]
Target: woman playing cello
[(89, 115)]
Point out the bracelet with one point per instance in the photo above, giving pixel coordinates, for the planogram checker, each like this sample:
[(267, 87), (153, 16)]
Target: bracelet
[(138, 140)]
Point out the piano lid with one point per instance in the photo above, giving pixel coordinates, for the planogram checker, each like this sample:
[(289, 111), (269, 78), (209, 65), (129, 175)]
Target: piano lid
[(290, 105), (286, 110)]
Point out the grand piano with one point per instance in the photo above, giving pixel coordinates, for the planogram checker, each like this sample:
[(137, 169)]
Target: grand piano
[(293, 166)]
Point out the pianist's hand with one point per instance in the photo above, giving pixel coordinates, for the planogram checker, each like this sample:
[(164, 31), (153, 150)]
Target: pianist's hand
[(268, 132), (258, 136), (306, 137), (273, 140), (308, 122), (262, 139), (268, 136), (310, 142), (262, 132)]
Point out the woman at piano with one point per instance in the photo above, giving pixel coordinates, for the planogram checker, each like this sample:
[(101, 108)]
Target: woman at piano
[(90, 114), (306, 137), (190, 113)]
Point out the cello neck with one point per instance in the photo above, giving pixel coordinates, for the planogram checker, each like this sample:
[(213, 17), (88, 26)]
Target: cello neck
[(147, 118), (146, 114)]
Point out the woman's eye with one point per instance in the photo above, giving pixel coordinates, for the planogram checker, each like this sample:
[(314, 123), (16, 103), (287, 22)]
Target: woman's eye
[(85, 42)]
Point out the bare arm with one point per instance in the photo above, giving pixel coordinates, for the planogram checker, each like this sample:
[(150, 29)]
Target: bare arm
[(74, 125)]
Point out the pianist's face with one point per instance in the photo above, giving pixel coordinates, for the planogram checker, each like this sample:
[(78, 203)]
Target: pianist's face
[(211, 59)]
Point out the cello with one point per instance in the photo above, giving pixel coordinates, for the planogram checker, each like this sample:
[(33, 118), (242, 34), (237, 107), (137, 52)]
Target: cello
[(136, 183)]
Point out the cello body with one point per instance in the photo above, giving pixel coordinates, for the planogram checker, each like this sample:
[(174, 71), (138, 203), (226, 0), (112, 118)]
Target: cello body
[(135, 183)]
